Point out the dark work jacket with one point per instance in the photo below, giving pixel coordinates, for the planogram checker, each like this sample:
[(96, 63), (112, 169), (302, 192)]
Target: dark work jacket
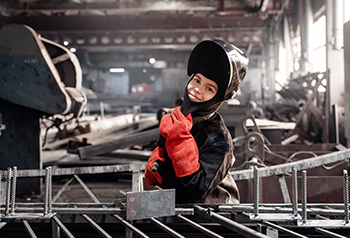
[(212, 183)]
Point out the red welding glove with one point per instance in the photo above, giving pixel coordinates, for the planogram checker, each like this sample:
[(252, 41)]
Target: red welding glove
[(180, 144), (153, 177)]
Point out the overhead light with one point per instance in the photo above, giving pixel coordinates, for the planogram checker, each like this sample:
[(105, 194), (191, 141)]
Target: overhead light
[(117, 70), (67, 41), (143, 40), (206, 37), (231, 37), (181, 39), (118, 40), (194, 39), (80, 41), (73, 49), (156, 40), (245, 38), (105, 40), (168, 39), (92, 40), (130, 40), (152, 60)]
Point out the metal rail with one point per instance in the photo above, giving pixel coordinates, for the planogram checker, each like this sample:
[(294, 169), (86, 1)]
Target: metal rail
[(199, 227), (284, 230), (216, 215), (288, 167), (235, 226)]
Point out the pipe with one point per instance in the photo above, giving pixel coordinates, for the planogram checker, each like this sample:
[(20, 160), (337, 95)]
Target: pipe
[(338, 24)]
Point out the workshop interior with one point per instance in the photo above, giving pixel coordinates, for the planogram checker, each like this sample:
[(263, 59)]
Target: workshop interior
[(84, 84)]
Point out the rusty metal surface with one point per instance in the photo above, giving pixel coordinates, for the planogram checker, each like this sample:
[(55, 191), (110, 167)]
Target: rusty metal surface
[(147, 204)]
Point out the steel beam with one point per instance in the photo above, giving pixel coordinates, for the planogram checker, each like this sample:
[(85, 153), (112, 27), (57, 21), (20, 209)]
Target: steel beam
[(287, 167), (230, 224), (130, 226), (166, 228), (126, 141), (328, 233), (284, 230), (199, 227), (96, 226), (80, 170), (64, 229), (29, 229)]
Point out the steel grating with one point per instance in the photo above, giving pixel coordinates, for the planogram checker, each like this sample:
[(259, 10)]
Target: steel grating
[(49, 218)]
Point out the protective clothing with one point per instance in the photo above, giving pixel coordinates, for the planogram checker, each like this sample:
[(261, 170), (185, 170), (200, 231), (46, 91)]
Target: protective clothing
[(211, 183), (221, 62), (153, 177), (198, 157), (180, 144)]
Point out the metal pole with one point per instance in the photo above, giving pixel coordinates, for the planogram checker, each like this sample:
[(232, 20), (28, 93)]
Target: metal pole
[(243, 230), (295, 192), (256, 191), (304, 183), (48, 191), (346, 196), (13, 192), (8, 191)]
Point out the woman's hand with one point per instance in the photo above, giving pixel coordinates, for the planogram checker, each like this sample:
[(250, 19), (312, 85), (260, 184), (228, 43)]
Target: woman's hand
[(180, 144)]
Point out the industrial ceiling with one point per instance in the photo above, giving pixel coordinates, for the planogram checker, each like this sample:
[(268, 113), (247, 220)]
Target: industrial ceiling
[(126, 32)]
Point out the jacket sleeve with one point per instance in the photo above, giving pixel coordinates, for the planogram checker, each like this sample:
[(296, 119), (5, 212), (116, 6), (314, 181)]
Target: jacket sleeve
[(215, 158)]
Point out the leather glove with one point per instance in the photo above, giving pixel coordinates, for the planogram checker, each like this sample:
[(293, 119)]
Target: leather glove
[(180, 144), (153, 177)]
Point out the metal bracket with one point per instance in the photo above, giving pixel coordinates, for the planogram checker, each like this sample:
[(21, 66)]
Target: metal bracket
[(147, 204)]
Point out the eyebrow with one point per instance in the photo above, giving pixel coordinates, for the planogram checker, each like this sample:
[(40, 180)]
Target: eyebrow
[(213, 85)]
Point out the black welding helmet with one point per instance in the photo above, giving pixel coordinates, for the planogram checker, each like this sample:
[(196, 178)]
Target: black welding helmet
[(221, 62)]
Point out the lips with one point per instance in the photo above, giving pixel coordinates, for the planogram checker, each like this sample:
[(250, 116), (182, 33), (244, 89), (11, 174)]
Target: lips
[(194, 97)]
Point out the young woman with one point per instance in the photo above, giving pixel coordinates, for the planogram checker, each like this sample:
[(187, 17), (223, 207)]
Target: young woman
[(195, 148)]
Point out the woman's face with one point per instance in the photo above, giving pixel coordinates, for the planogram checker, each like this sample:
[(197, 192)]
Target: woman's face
[(201, 89)]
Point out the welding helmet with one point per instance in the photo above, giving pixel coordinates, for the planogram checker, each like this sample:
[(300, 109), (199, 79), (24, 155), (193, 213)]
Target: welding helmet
[(222, 63)]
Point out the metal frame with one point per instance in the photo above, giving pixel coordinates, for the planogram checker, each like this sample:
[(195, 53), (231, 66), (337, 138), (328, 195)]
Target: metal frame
[(202, 219)]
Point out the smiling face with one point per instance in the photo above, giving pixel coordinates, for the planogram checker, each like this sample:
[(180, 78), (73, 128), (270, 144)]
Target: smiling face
[(201, 88)]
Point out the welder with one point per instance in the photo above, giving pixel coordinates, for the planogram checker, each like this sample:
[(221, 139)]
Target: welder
[(195, 148)]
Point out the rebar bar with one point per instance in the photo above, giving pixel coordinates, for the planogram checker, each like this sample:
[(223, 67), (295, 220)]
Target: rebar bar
[(8, 191), (256, 191), (48, 191), (13, 190), (304, 200), (346, 196), (295, 192), (1, 193)]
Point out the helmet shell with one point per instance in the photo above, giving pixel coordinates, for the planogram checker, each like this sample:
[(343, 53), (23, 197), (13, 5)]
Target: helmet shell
[(221, 62)]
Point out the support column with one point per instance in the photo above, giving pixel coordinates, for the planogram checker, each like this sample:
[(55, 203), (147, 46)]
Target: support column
[(334, 59)]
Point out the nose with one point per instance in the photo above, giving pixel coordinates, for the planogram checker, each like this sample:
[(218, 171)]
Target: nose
[(198, 90)]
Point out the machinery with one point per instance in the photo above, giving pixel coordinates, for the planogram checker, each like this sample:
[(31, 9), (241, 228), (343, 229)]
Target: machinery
[(38, 78)]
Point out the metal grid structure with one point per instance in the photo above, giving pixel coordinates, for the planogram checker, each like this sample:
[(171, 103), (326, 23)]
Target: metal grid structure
[(52, 219)]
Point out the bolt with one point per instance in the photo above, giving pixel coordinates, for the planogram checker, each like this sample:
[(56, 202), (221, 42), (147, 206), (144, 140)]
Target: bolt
[(256, 191), (346, 196), (8, 190), (13, 192), (48, 191), (295, 192), (304, 183)]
